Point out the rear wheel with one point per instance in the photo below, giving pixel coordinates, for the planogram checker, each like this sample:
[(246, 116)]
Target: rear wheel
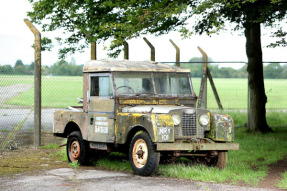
[(143, 157), (77, 148)]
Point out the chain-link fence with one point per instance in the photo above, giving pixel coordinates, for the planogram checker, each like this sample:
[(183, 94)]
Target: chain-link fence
[(16, 117), (231, 82), (17, 104), (58, 92)]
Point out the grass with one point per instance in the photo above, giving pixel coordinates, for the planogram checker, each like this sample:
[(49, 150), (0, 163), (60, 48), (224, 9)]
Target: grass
[(242, 165), (233, 93), (62, 91), (248, 165), (29, 161), (7, 142), (74, 164), (274, 118), (50, 146), (57, 92), (283, 183), (7, 80), (114, 161)]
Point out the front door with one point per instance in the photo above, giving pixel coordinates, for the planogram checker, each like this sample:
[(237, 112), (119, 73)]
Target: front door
[(101, 103)]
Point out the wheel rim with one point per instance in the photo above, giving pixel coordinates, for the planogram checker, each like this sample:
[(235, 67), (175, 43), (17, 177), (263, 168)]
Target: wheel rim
[(140, 153), (74, 151)]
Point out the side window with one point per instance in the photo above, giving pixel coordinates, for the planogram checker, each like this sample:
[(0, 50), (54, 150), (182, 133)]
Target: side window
[(101, 86)]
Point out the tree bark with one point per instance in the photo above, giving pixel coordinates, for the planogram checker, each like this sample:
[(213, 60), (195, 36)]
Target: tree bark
[(257, 119)]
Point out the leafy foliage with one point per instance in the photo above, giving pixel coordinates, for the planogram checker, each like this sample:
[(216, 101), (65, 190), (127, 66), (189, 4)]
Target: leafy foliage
[(95, 21)]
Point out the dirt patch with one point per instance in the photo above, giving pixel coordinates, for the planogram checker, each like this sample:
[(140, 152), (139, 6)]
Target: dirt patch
[(274, 175), (29, 161)]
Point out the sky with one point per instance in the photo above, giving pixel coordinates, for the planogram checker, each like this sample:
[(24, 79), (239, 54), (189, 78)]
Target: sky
[(16, 40)]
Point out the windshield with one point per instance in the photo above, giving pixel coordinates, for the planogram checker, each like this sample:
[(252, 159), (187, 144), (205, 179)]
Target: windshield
[(142, 83), (172, 83), (133, 83)]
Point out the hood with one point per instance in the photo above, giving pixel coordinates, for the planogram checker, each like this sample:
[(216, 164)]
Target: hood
[(151, 108)]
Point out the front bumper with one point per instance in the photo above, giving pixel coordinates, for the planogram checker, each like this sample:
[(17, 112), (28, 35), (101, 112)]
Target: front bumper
[(197, 146)]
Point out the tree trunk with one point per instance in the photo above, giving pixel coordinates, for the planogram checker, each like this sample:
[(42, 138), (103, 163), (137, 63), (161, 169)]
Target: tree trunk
[(257, 119)]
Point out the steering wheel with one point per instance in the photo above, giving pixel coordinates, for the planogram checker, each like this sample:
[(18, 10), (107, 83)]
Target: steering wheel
[(126, 87)]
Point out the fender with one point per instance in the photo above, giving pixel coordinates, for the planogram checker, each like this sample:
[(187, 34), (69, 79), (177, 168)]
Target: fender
[(159, 126)]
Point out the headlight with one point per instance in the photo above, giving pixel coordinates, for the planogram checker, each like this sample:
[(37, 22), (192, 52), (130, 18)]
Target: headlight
[(204, 120), (176, 119)]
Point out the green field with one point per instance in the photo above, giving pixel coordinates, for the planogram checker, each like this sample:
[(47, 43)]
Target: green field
[(233, 93), (60, 92), (57, 92)]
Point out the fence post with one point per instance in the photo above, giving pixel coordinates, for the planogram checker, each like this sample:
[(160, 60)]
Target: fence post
[(93, 51), (214, 89), (177, 57), (126, 50), (202, 100), (152, 50), (37, 83)]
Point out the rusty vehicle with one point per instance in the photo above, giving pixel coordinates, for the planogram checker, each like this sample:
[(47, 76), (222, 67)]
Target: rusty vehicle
[(146, 109)]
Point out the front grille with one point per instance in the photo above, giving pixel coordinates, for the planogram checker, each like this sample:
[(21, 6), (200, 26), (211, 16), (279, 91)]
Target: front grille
[(188, 124)]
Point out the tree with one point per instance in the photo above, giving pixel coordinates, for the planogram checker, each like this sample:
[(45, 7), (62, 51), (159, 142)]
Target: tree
[(6, 69), (18, 63), (273, 70), (122, 20)]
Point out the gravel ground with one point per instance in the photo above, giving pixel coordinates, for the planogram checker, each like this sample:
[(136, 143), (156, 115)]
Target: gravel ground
[(87, 179)]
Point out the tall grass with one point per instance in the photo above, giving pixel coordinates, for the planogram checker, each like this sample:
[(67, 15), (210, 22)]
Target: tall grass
[(249, 164)]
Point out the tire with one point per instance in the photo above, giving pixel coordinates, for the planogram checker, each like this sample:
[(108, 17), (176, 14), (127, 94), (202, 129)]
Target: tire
[(143, 157), (221, 160), (77, 148)]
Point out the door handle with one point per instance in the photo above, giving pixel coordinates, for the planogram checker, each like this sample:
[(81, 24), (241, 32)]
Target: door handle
[(92, 121)]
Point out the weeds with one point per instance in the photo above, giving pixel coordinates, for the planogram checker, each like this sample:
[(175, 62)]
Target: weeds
[(61, 155), (74, 164), (113, 161)]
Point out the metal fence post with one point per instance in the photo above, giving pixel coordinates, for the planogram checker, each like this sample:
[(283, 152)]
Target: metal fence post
[(37, 83), (93, 51), (202, 100), (126, 50), (177, 57), (152, 50)]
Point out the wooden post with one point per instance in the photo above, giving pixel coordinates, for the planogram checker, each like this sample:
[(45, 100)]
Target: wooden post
[(152, 50), (37, 83)]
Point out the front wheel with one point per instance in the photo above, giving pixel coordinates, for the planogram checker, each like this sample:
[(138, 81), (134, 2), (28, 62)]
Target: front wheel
[(77, 148), (143, 157), (221, 160)]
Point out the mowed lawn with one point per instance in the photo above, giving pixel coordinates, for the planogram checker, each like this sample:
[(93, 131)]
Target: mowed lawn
[(57, 91), (63, 91)]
